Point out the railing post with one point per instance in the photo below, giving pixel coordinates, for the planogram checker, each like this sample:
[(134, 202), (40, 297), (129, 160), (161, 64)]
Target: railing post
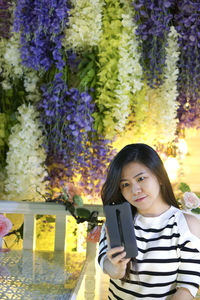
[(60, 232), (90, 273), (28, 239)]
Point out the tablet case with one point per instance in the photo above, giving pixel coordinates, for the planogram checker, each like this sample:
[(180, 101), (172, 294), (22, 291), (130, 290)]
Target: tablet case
[(119, 222)]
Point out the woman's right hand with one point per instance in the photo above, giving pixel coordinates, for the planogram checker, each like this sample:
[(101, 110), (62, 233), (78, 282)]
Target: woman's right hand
[(116, 266)]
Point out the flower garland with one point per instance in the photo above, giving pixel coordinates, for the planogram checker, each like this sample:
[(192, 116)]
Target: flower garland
[(130, 77), (12, 69), (85, 22), (41, 25), (73, 147), (108, 58), (66, 116), (129, 51), (153, 18), (165, 104), (92, 176), (156, 108), (187, 24), (25, 158), (5, 16), (159, 109)]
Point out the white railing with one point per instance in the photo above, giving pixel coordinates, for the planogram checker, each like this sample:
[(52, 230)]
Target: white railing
[(89, 285), (92, 284), (31, 209)]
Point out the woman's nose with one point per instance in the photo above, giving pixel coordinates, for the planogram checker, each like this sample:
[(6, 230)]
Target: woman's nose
[(136, 188)]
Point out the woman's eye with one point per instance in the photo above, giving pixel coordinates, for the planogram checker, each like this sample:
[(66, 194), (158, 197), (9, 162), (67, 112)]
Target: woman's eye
[(141, 178), (124, 185)]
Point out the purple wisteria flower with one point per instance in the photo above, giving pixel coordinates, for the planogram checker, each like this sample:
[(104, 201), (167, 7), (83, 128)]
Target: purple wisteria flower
[(153, 19), (94, 172), (71, 141), (5, 19), (187, 24), (41, 24)]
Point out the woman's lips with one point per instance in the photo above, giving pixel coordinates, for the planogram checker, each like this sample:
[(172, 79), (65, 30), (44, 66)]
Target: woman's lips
[(140, 199)]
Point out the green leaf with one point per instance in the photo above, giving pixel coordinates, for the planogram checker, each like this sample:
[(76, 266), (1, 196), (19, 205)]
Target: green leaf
[(196, 210), (184, 187), (65, 196), (78, 200), (70, 207), (83, 212)]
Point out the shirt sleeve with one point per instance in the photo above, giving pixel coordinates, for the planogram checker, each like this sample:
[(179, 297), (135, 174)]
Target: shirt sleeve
[(103, 246), (189, 251)]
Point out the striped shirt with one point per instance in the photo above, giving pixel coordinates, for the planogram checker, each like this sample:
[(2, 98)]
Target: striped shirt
[(168, 258)]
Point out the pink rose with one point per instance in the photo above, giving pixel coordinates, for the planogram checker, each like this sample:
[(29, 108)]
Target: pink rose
[(94, 235), (191, 200), (5, 225)]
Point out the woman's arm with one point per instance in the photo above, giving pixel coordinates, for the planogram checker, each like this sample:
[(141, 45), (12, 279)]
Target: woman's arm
[(193, 224), (194, 227), (182, 294), (115, 267)]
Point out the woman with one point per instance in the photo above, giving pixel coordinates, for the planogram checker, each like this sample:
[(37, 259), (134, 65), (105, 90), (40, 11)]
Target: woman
[(168, 262)]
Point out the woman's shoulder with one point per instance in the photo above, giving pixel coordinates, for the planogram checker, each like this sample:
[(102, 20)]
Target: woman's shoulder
[(193, 224), (188, 226)]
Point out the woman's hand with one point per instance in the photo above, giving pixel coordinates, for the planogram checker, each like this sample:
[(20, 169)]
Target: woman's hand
[(116, 266)]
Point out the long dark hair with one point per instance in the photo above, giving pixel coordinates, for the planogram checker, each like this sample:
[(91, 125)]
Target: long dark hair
[(141, 153)]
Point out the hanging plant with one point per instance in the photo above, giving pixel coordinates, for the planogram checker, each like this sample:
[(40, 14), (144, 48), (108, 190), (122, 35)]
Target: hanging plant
[(41, 24), (187, 23), (106, 118), (87, 70), (85, 22), (66, 116), (5, 18), (156, 108), (130, 71), (154, 20), (165, 103), (73, 148), (25, 158), (92, 176)]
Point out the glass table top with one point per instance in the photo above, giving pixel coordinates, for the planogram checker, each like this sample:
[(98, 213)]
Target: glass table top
[(25, 274)]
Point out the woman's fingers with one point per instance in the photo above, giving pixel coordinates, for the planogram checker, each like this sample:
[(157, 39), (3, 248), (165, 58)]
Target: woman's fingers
[(117, 255)]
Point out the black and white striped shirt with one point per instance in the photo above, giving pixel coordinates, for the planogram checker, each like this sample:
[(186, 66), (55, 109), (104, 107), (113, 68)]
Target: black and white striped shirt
[(168, 258)]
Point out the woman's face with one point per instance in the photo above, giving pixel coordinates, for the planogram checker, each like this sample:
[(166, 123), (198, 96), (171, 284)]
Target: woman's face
[(140, 187)]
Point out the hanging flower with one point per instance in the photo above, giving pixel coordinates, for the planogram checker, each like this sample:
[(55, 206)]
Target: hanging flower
[(129, 77), (156, 108), (85, 22), (92, 175), (107, 116), (5, 18), (25, 158), (187, 24), (154, 19), (41, 24), (165, 103), (66, 116)]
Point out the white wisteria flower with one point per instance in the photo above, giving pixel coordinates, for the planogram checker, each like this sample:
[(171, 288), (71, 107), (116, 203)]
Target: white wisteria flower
[(157, 108), (129, 68), (25, 158), (85, 22)]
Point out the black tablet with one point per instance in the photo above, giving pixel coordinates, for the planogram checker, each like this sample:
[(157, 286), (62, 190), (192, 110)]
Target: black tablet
[(119, 222)]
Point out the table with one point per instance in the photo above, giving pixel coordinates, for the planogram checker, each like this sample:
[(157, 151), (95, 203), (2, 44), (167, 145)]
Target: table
[(27, 274)]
